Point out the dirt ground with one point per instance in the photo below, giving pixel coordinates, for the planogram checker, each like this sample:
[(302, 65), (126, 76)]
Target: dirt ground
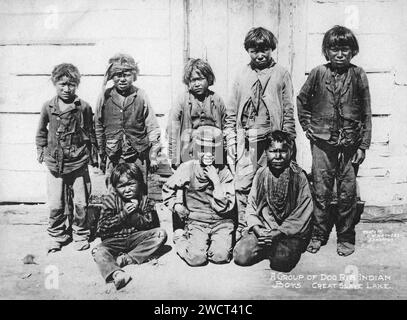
[(379, 263)]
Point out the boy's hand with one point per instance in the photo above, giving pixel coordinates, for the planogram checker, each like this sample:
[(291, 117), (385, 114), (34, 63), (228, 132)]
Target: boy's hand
[(40, 155), (132, 206), (265, 236), (174, 167), (359, 156), (309, 134), (181, 211), (153, 166), (212, 174)]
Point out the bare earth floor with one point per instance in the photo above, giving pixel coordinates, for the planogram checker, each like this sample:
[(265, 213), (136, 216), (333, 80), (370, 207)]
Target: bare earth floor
[(379, 262)]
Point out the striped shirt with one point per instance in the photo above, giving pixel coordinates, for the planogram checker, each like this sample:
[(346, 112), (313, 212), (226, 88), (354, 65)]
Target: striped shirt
[(116, 222)]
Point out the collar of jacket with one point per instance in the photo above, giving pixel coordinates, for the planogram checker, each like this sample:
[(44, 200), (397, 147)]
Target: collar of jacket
[(253, 75), (190, 96), (347, 82), (53, 104), (129, 99)]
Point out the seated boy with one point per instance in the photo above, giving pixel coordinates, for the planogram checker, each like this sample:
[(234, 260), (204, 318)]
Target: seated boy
[(279, 210), (125, 226), (205, 203)]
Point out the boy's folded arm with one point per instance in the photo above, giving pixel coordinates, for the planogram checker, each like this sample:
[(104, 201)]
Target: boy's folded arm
[(110, 219), (224, 194)]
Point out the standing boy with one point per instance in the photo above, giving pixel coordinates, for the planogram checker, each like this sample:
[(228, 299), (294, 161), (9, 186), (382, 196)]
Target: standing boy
[(64, 141), (334, 111), (199, 106), (279, 210), (126, 127), (205, 203), (261, 103)]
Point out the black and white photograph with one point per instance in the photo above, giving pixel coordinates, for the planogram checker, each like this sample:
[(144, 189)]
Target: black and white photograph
[(227, 150)]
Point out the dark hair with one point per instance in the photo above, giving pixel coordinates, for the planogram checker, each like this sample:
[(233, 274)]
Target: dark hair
[(260, 38), (202, 66), (132, 171), (339, 36), (65, 70), (280, 136)]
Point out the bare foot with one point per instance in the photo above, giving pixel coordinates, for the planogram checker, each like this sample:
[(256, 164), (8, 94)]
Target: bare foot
[(121, 279), (314, 246), (345, 248), (53, 246)]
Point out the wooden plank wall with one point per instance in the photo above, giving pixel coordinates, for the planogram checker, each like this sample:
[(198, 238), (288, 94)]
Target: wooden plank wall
[(38, 34), (217, 31)]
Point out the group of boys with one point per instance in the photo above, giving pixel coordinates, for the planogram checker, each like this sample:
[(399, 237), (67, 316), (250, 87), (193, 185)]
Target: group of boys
[(236, 189)]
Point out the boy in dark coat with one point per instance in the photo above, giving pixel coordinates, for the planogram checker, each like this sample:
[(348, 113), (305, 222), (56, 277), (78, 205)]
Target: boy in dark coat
[(334, 111)]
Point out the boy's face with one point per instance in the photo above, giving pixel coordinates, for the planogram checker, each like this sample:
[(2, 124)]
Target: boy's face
[(339, 56), (260, 57), (278, 155), (128, 188), (66, 89), (206, 156), (123, 80), (198, 84)]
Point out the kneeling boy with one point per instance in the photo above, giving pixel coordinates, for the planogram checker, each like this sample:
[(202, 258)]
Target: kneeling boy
[(205, 202), (125, 226), (279, 210)]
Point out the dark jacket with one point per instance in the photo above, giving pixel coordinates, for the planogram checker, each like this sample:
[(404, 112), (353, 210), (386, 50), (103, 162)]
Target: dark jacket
[(64, 139), (317, 104), (136, 120)]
